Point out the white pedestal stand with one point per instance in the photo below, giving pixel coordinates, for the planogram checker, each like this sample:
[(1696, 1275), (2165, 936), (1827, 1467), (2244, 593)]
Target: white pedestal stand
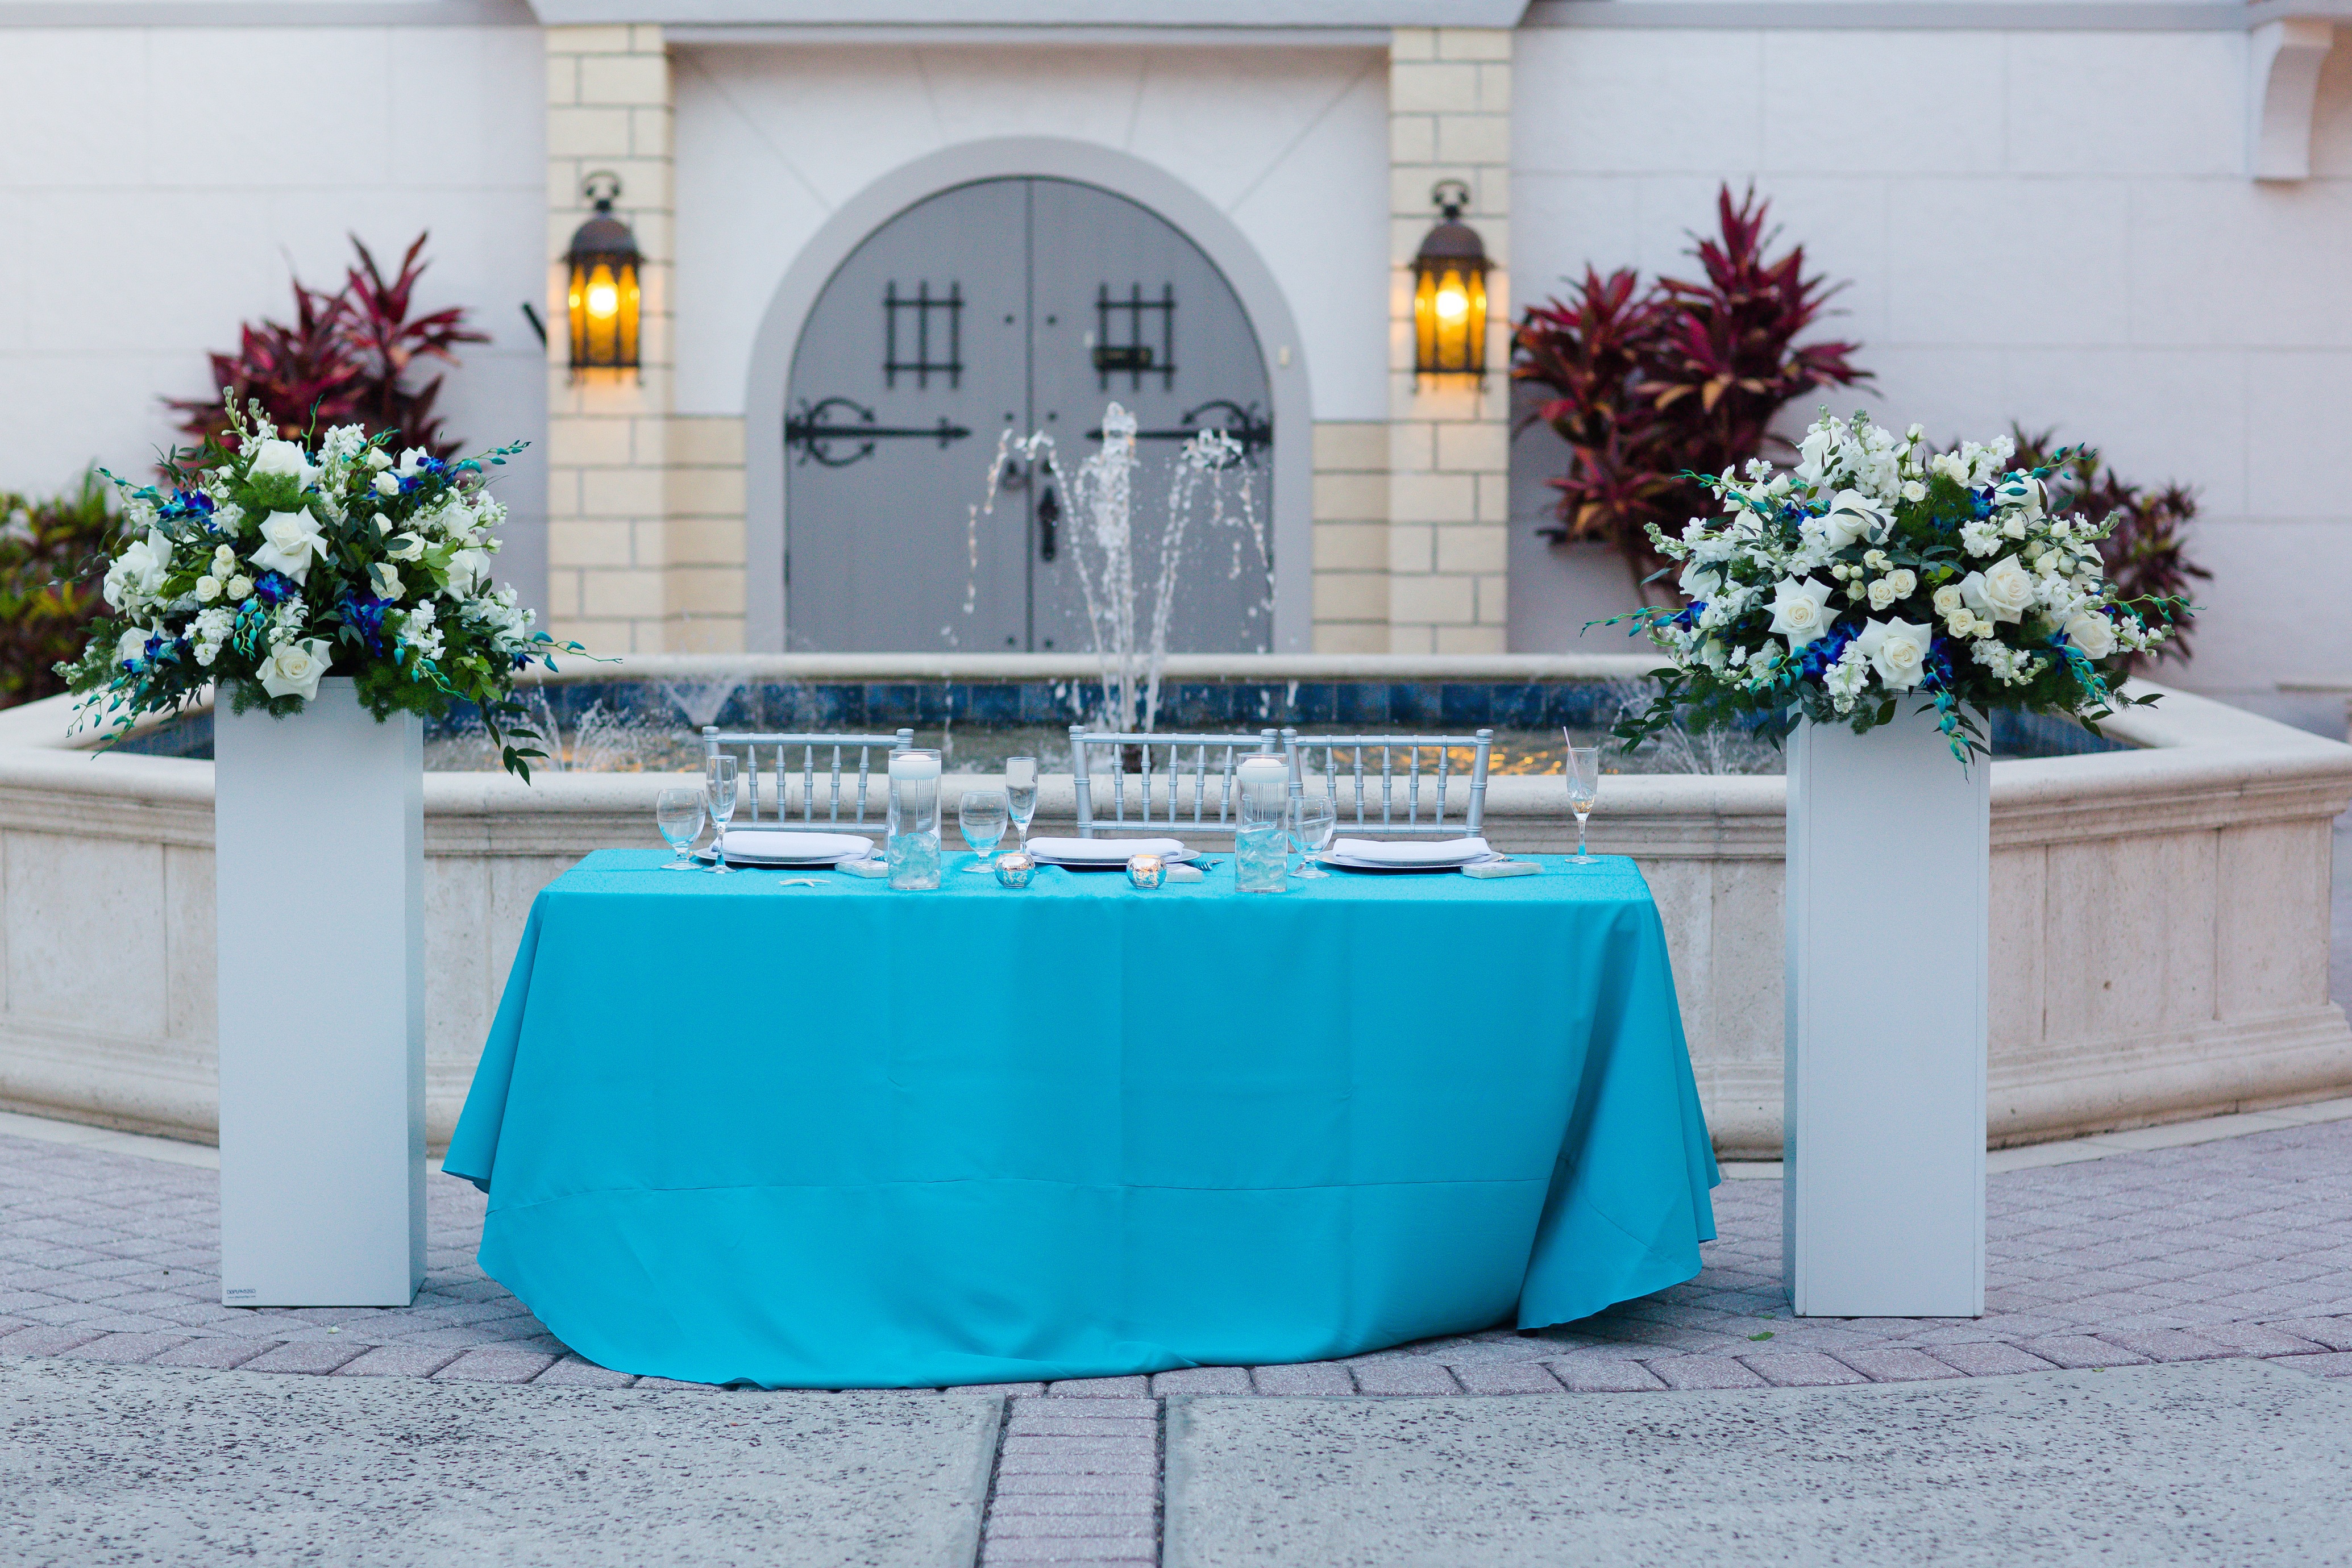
[(319, 840), (1889, 871)]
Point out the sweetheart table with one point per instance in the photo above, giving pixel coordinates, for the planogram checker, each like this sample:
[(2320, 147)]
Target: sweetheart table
[(839, 1137)]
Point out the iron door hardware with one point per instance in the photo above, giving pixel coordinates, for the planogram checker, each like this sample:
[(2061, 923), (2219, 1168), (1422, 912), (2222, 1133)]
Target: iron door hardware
[(812, 432), (1251, 429), (1049, 514)]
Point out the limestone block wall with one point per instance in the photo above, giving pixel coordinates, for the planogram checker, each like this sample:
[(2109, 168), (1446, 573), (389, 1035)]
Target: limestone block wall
[(1449, 437), (1352, 542)]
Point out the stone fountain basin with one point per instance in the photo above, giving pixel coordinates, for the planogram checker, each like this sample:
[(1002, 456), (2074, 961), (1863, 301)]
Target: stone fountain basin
[(2160, 943)]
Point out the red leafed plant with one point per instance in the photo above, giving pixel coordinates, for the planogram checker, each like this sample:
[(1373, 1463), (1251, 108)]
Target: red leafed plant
[(1648, 384), (346, 359)]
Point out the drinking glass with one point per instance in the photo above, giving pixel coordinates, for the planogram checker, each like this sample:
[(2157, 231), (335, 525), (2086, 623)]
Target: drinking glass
[(678, 814), (981, 815), (1313, 823), (912, 847), (1583, 784), (1021, 793), (718, 800)]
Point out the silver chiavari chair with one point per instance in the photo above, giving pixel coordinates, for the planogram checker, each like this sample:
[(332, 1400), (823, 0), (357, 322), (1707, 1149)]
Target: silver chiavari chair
[(1193, 775), (842, 768), (1360, 775)]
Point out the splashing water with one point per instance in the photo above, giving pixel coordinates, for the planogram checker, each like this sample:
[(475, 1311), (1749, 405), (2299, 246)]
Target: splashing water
[(1130, 641)]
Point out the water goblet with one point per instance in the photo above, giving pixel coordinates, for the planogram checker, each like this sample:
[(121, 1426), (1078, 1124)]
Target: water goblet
[(718, 798), (981, 815), (1583, 784), (1021, 793), (1313, 823), (678, 814)]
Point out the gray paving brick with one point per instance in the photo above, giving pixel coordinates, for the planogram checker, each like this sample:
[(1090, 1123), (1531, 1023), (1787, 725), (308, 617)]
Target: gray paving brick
[(1896, 1365), (1139, 1463), (2073, 1351), (1987, 1358), (2166, 1344), (126, 1349), (1706, 1372), (672, 1386), (1594, 1377), (1050, 1423), (1112, 1551), (1799, 1369), (495, 1366), (2335, 1364), (1137, 1525), (1506, 1377), (397, 1361), (1102, 1505), (1403, 1374), (1068, 1483), (2336, 1333), (316, 1360), (1203, 1380), (1099, 1387), (576, 1371), (1076, 1449), (46, 1340), (1008, 1389), (218, 1352)]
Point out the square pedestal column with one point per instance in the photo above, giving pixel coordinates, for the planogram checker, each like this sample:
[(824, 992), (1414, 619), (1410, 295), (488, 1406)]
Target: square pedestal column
[(1888, 892), (319, 841)]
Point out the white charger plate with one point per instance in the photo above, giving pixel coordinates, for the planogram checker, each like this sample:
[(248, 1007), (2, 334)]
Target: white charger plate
[(1349, 863), (1176, 858), (765, 862)]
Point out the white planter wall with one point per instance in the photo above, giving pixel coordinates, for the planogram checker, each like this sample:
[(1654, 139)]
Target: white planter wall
[(319, 871), (1888, 892)]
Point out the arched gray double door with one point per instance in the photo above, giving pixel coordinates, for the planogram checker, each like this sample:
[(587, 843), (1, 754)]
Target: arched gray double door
[(1015, 304)]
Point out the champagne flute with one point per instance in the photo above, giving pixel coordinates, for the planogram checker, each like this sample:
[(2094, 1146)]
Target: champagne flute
[(1583, 784), (1314, 824), (1021, 793), (981, 815), (678, 814), (719, 793)]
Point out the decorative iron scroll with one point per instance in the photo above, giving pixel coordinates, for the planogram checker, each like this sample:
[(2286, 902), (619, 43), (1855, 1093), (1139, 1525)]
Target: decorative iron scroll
[(922, 367), (1252, 430), (812, 432), (1128, 352)]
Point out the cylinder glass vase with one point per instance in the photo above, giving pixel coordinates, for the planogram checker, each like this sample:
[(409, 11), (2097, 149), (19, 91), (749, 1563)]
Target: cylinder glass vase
[(912, 846)]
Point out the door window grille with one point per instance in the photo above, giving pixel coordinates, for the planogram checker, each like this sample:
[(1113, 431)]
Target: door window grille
[(927, 335), (1124, 333)]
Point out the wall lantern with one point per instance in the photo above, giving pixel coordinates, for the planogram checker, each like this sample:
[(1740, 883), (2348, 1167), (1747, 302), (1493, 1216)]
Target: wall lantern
[(1449, 291), (604, 288)]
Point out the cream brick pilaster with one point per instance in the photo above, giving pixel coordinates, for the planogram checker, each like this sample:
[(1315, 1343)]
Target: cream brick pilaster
[(1449, 443), (640, 532)]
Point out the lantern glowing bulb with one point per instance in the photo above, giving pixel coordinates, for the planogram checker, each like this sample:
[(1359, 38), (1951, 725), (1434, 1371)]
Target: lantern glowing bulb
[(1451, 304), (604, 302)]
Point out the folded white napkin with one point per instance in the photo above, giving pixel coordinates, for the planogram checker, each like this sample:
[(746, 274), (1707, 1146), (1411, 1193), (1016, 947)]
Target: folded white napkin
[(1119, 849), (769, 844), (1442, 852)]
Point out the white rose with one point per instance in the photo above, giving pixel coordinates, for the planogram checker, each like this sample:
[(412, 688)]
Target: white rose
[(385, 484), (378, 458), (384, 580), (207, 590), (2022, 491), (410, 460), (1904, 579), (240, 588), (406, 547), (139, 571), (1800, 611), (2093, 633), (1914, 491), (291, 541), (1697, 582), (468, 570), (1948, 600), (2003, 591), (1882, 593), (131, 647), (292, 669), (1852, 514), (1896, 650), (283, 459)]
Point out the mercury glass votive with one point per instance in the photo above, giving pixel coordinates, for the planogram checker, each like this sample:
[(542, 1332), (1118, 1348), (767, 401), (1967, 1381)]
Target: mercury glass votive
[(1146, 870), (1014, 868)]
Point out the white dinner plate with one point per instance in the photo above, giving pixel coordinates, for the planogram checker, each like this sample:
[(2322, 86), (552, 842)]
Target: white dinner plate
[(1349, 863), (771, 863), (1176, 857)]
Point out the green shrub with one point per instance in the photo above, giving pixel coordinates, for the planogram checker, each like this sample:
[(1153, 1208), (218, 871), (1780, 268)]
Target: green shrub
[(51, 561)]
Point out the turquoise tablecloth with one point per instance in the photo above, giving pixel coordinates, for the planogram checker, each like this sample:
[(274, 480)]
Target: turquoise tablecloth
[(840, 1137)]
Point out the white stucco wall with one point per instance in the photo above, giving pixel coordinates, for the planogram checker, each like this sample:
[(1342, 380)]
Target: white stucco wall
[(157, 183), (2052, 227), (1290, 143)]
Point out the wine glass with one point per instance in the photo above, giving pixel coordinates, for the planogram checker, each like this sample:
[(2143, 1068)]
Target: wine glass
[(678, 814), (1021, 792), (1313, 823), (981, 815), (719, 795), (1583, 784)]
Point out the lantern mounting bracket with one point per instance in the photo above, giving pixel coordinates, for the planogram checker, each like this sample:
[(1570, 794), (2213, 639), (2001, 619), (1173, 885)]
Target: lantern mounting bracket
[(601, 188), (1450, 197)]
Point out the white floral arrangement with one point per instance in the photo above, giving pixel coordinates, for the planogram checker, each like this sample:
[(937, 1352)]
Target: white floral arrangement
[(273, 565), (1879, 571)]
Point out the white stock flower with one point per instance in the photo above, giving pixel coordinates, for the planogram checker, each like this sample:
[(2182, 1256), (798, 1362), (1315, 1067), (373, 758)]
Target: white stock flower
[(2003, 591), (292, 669), (283, 459), (1898, 650), (291, 541), (2093, 633), (1800, 611)]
